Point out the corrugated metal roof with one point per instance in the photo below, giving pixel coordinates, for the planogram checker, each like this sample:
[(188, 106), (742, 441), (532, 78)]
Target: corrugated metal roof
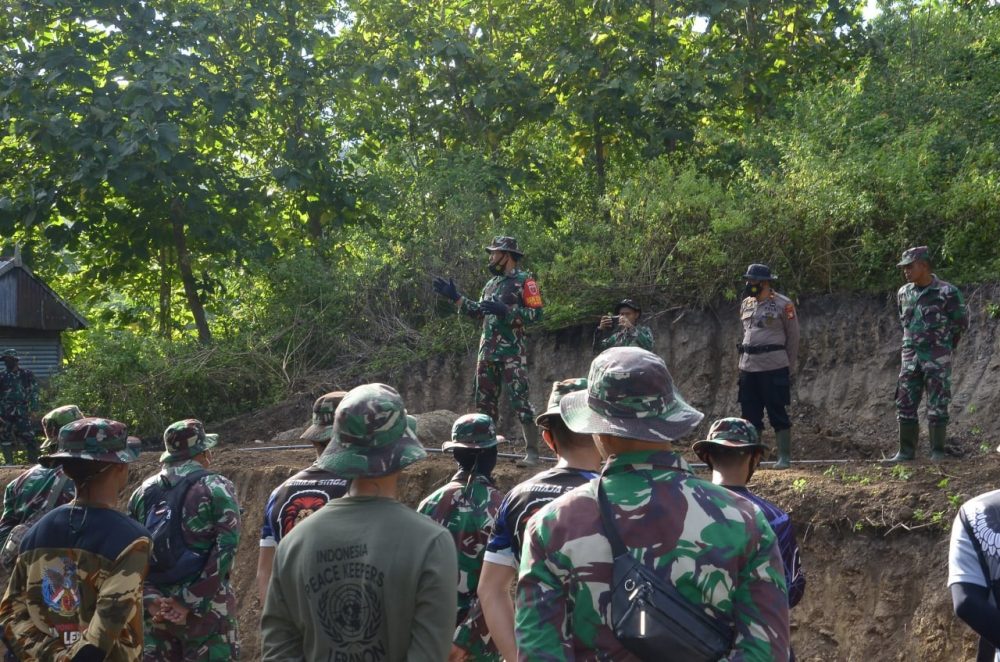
[(40, 304)]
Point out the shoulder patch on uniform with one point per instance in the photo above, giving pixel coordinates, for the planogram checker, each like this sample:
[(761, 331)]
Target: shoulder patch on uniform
[(532, 297), (790, 311)]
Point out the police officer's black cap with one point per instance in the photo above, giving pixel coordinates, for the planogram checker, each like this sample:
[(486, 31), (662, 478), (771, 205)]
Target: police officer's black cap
[(759, 272), (628, 303)]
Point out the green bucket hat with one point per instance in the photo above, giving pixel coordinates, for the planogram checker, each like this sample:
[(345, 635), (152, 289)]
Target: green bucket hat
[(97, 439), (322, 417), (911, 255), (731, 433), (53, 421), (472, 431), (559, 391), (630, 394), (372, 435), (185, 439)]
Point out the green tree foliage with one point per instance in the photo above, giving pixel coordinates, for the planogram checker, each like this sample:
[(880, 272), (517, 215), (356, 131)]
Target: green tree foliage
[(281, 180)]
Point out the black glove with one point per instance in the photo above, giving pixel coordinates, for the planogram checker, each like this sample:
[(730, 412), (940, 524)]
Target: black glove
[(493, 307), (446, 288)]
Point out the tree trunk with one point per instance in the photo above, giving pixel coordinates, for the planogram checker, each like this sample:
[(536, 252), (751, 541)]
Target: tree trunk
[(187, 277), (166, 287), (600, 164)]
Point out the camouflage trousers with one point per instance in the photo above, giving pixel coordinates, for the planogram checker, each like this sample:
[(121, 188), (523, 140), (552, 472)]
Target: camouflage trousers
[(18, 429), (161, 645), (490, 379), (922, 371)]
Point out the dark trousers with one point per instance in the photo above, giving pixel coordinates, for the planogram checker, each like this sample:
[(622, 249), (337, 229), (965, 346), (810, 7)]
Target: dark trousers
[(770, 390)]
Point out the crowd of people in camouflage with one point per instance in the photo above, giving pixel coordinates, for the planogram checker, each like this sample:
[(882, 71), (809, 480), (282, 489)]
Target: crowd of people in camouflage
[(348, 572)]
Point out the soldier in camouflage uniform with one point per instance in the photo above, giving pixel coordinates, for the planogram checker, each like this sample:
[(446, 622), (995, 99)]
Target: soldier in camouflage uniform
[(76, 589), (933, 316), (629, 333), (301, 495), (195, 619), (714, 546), (467, 506), (26, 496), (509, 302), (18, 401)]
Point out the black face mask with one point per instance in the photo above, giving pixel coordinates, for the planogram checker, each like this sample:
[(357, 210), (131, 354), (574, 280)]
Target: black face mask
[(751, 290), (497, 268)]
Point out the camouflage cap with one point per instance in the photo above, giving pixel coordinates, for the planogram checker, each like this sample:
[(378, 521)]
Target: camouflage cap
[(53, 421), (322, 418), (97, 439), (628, 303), (9, 354), (559, 390), (630, 394), (911, 255), (372, 435), (731, 433), (508, 244), (185, 439), (472, 431)]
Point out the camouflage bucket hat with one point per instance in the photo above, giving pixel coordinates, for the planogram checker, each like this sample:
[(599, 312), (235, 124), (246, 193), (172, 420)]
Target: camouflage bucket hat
[(508, 244), (731, 433), (9, 354), (559, 391), (911, 255), (97, 439), (53, 421), (472, 431), (372, 435), (185, 439), (322, 418), (630, 394)]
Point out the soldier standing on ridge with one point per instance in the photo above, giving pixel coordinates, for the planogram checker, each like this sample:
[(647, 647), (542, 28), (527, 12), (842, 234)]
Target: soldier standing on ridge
[(933, 316), (629, 333), (18, 401), (768, 353), (510, 301)]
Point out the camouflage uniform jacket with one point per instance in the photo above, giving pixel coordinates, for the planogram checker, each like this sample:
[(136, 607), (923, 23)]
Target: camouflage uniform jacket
[(79, 574), (932, 317), (468, 509), (211, 517), (503, 338), (637, 336), (715, 547), (18, 393), (27, 493)]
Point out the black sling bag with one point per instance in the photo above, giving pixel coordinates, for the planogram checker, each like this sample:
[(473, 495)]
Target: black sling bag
[(650, 617)]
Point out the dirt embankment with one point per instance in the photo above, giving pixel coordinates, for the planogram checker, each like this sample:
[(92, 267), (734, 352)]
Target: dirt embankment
[(874, 539)]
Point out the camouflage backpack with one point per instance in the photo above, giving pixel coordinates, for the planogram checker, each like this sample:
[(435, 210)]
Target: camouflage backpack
[(8, 555)]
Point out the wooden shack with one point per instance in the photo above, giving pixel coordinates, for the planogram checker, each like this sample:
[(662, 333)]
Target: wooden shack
[(32, 318)]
